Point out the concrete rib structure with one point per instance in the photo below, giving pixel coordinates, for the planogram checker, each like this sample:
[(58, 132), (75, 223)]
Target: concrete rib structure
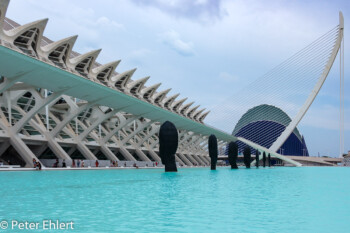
[(57, 103)]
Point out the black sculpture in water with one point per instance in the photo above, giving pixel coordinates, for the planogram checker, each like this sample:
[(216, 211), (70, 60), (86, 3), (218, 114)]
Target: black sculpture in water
[(264, 159), (247, 156), (168, 142), (269, 160), (233, 154), (257, 158), (213, 150)]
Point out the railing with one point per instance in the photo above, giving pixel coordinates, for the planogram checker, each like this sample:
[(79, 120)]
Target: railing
[(102, 163)]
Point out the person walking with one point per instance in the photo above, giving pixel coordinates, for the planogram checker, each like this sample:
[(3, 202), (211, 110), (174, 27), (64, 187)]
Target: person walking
[(56, 163)]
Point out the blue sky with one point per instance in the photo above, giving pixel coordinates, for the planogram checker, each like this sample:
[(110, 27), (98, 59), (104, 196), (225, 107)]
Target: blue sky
[(206, 50)]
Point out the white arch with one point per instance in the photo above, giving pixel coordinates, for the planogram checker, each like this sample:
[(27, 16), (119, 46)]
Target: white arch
[(135, 87), (148, 92), (203, 116), (63, 55), (191, 111), (103, 73), (83, 63), (159, 97), (120, 81), (295, 121), (176, 106), (183, 109), (3, 8), (15, 35), (168, 102), (197, 114)]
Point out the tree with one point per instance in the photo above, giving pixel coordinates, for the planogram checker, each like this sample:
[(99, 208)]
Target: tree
[(233, 154), (213, 150), (269, 160), (257, 158), (264, 159), (247, 156)]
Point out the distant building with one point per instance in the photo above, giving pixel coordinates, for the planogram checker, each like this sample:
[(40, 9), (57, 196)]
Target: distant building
[(346, 160), (263, 124)]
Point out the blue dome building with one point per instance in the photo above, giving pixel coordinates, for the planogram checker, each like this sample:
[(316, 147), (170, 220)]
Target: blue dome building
[(263, 124)]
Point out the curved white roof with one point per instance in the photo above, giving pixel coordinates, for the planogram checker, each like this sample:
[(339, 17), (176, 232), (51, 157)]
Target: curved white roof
[(60, 54), (136, 86), (103, 73), (119, 81)]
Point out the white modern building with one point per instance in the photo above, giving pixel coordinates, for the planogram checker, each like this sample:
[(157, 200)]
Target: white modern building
[(57, 103)]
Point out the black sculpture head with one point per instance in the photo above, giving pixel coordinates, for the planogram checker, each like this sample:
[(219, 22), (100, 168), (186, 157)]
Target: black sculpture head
[(213, 150), (256, 158), (264, 159), (233, 154), (168, 142), (247, 156)]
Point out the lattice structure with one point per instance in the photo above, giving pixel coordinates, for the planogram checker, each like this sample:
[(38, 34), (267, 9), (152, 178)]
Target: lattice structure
[(40, 123)]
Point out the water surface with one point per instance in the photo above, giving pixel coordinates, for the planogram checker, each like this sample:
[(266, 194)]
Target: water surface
[(308, 199)]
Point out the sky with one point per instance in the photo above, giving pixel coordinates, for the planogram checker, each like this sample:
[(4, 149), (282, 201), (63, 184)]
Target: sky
[(205, 50)]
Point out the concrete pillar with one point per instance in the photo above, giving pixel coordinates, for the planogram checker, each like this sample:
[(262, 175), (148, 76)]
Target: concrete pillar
[(183, 157)]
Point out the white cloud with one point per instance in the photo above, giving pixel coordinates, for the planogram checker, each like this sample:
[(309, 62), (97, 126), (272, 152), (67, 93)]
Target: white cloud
[(198, 10), (105, 22), (139, 56), (172, 39), (224, 76), (325, 117), (140, 53), (200, 2)]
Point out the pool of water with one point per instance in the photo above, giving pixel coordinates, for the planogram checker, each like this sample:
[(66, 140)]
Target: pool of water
[(309, 199)]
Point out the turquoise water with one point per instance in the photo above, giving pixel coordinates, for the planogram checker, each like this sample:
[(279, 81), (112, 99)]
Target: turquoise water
[(280, 200)]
